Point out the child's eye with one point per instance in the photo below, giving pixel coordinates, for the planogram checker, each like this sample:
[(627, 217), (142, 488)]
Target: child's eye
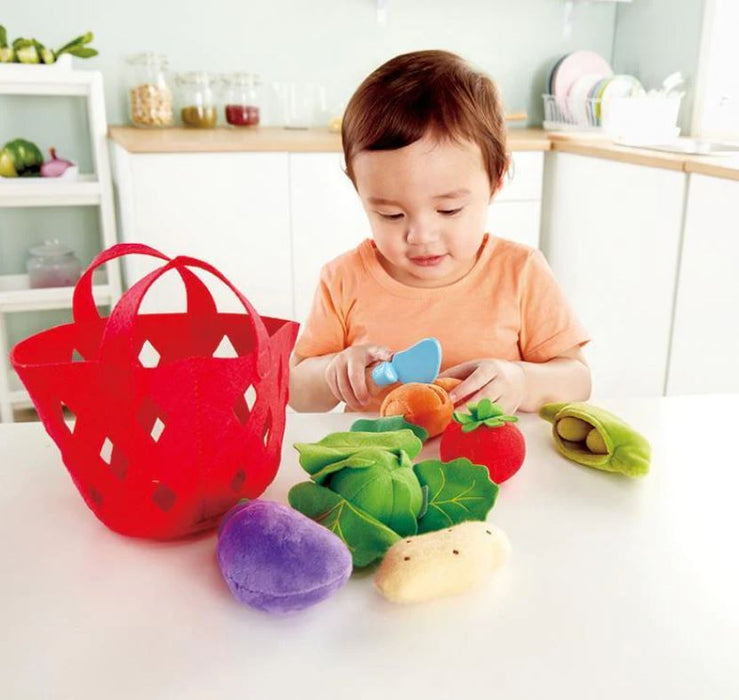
[(391, 217), (450, 212)]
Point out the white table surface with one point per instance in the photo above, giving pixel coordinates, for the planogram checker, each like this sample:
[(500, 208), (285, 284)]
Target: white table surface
[(616, 588)]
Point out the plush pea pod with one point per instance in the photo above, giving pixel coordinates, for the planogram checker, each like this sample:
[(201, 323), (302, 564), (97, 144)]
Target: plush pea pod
[(593, 437)]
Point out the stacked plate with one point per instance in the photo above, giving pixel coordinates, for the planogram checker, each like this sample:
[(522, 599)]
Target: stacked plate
[(580, 85)]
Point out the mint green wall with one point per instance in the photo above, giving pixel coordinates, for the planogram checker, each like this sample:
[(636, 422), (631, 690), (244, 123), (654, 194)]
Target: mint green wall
[(334, 42), (654, 38)]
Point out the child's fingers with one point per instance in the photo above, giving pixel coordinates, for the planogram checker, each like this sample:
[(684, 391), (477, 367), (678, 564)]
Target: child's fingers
[(333, 384), (470, 387), (459, 371), (379, 353), (356, 370), (345, 388)]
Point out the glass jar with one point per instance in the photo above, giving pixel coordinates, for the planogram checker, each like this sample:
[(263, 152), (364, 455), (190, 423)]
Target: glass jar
[(149, 93), (52, 265), (197, 103), (241, 99)]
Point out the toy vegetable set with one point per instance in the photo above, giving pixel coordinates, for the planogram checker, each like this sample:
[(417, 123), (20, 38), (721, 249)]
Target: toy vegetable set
[(191, 443)]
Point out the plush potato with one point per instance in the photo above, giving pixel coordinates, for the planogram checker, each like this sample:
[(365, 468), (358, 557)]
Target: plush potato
[(443, 562)]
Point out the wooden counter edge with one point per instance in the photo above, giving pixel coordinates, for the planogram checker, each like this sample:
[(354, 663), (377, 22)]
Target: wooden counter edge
[(264, 139), (276, 139)]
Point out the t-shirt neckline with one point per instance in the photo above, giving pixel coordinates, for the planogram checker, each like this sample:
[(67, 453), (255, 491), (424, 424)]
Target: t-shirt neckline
[(368, 255)]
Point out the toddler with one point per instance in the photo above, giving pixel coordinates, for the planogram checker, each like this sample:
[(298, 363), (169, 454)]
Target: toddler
[(424, 142)]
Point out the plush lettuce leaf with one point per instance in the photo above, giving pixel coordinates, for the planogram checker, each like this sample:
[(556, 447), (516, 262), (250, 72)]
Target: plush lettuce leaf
[(353, 449), (388, 491), (386, 424), (457, 491), (367, 538)]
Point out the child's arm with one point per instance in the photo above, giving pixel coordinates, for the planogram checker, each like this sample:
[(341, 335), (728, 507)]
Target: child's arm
[(318, 383), (523, 386)]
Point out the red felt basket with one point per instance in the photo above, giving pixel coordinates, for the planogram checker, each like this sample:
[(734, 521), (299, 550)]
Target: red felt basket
[(162, 451)]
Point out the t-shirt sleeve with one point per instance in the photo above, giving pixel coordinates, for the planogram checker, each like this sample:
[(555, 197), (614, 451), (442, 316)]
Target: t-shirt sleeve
[(548, 323), (324, 331)]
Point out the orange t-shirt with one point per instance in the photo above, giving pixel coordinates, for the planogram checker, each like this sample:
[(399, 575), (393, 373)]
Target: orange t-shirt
[(508, 306)]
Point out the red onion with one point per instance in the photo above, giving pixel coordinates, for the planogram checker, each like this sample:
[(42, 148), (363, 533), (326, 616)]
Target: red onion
[(54, 167)]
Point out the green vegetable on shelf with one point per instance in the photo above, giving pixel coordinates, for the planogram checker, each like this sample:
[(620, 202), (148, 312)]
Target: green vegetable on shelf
[(7, 54), (20, 158), (24, 50), (77, 47)]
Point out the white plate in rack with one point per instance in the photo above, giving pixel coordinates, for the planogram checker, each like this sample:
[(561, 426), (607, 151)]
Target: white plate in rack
[(575, 66)]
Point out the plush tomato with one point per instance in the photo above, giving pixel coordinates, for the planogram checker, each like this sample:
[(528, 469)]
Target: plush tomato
[(485, 436)]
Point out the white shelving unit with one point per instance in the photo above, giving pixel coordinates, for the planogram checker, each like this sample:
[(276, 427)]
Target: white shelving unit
[(93, 189)]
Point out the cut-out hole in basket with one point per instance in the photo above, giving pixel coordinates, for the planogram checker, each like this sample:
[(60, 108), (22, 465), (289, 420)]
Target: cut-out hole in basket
[(267, 429), (69, 417), (106, 451), (164, 497), (157, 430), (114, 458), (76, 356), (149, 356), (238, 481), (225, 348), (152, 419), (244, 404)]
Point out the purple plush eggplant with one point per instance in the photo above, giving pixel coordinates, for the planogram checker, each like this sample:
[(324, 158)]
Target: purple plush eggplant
[(277, 560)]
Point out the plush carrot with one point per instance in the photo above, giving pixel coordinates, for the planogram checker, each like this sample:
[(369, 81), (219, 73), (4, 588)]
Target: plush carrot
[(425, 405), (486, 436)]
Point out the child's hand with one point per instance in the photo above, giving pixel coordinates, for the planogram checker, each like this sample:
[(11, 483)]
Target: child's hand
[(346, 374), (501, 381)]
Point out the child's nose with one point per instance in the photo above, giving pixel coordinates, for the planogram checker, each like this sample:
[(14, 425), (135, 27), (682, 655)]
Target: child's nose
[(420, 232)]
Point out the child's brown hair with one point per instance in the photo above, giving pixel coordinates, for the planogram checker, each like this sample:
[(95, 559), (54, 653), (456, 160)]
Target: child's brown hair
[(437, 91)]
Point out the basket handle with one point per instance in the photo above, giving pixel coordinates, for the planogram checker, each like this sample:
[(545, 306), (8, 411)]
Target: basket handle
[(117, 342), (84, 309)]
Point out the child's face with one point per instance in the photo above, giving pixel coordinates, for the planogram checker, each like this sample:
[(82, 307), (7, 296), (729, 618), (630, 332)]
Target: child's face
[(427, 204)]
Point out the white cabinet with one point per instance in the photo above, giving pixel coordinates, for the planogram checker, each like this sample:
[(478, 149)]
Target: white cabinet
[(327, 219), (230, 209), (611, 233), (705, 344)]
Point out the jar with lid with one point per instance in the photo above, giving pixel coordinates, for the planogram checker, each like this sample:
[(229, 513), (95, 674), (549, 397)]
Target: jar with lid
[(196, 100), (241, 99), (52, 265), (150, 96)]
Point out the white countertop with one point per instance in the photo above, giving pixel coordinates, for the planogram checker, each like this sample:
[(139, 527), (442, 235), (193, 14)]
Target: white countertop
[(616, 589)]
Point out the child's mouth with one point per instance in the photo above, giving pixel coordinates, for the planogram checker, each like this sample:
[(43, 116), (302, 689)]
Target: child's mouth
[(428, 260)]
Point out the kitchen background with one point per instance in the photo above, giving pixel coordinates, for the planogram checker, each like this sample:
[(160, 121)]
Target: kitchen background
[(335, 43)]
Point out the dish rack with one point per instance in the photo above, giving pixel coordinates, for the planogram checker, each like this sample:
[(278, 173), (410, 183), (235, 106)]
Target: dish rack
[(565, 114)]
